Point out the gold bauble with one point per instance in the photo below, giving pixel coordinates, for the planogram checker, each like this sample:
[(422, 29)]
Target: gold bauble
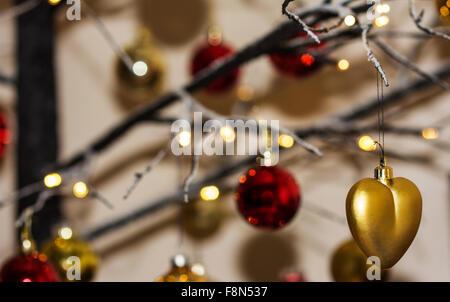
[(384, 215), (443, 7), (201, 218), (348, 264), (146, 80), (181, 271), (59, 250)]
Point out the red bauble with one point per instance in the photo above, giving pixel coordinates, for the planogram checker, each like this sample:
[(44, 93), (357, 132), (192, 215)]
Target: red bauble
[(28, 268), (268, 197), (208, 54), (4, 134), (297, 64), (293, 277)]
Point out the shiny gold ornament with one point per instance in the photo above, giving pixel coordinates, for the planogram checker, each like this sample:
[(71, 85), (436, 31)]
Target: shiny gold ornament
[(66, 245), (145, 79), (201, 218), (349, 264), (443, 7), (181, 271), (384, 214)]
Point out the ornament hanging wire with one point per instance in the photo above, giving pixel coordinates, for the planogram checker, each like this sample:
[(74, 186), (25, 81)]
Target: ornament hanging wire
[(380, 122)]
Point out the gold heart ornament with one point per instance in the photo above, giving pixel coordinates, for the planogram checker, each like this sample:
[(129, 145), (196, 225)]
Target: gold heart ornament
[(384, 214)]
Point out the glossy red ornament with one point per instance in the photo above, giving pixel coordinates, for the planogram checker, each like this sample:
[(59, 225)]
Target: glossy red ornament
[(268, 197), (4, 134), (28, 268), (293, 277), (206, 55), (297, 64)]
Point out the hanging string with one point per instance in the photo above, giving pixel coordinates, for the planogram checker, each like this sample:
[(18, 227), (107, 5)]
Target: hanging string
[(124, 57), (380, 116)]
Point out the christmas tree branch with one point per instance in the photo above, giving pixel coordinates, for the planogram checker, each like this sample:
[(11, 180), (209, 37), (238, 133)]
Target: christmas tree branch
[(410, 65), (396, 95), (371, 56), (18, 10), (418, 21)]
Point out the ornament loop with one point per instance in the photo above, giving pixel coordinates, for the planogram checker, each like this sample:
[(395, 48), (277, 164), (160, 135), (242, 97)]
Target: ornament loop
[(383, 171)]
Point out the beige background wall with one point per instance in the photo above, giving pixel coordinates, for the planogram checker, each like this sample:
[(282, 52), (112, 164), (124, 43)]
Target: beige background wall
[(237, 251)]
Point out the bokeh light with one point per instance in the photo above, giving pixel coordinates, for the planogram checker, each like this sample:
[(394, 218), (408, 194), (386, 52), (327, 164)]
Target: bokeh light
[(367, 143), (52, 180), (209, 193), (80, 189)]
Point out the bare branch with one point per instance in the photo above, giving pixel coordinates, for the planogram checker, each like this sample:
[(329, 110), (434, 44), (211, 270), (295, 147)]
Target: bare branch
[(308, 30), (18, 10), (36, 207), (418, 21), (140, 175), (339, 10), (190, 177), (410, 65), (96, 195), (371, 56), (124, 57)]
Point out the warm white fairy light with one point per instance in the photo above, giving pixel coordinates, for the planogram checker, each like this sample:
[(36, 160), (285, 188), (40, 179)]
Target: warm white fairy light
[(286, 141), (26, 244), (430, 133), (343, 65), (80, 189), (227, 134), (65, 233), (383, 8), (382, 21), (180, 260), (350, 20), (367, 143), (209, 193), (53, 2), (140, 68), (184, 138), (198, 269), (52, 180)]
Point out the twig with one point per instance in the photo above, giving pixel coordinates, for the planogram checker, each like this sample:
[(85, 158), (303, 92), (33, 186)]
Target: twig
[(396, 95), (308, 30), (18, 10), (339, 10), (36, 207), (140, 175), (418, 21), (124, 57), (410, 65), (190, 177), (23, 192), (370, 55), (96, 195)]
